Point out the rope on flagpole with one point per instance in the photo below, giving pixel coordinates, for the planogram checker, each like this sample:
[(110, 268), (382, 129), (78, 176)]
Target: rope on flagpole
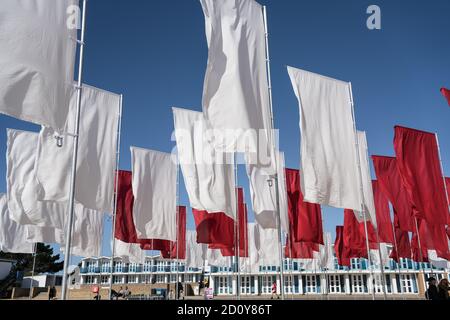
[(277, 196), (32, 270), (69, 227), (116, 184), (361, 189)]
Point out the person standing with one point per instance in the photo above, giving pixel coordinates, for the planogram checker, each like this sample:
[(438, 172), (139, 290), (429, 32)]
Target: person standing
[(432, 291), (274, 290), (443, 290)]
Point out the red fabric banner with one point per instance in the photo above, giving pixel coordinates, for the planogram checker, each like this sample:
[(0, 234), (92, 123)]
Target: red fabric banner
[(385, 230), (419, 166), (125, 230), (391, 185), (402, 247), (178, 248), (243, 235), (305, 218), (446, 93), (339, 248), (300, 250), (214, 228)]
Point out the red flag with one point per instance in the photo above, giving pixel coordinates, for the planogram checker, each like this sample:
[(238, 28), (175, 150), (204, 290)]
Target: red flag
[(422, 241), (446, 93), (243, 235), (305, 218), (214, 228), (339, 248), (447, 183), (178, 248), (355, 235), (300, 250), (384, 223), (402, 247), (391, 185), (419, 166), (125, 230)]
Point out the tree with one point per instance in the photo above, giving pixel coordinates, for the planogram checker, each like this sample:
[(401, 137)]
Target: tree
[(46, 261)]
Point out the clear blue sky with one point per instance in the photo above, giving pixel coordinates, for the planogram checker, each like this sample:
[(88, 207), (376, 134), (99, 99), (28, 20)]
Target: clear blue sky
[(155, 53)]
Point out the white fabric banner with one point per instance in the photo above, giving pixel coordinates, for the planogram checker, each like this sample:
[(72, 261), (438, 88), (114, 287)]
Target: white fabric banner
[(369, 203), (235, 92), (263, 195), (97, 146), (87, 232), (329, 170), (214, 258), (36, 60), (436, 261), (267, 246), (22, 195), (208, 175), (129, 252), (13, 237), (326, 255), (20, 156), (194, 250), (155, 194), (45, 235), (250, 264)]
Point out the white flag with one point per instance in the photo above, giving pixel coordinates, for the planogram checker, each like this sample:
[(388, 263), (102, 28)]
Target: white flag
[(87, 232), (436, 261), (235, 92), (97, 145), (154, 185), (267, 246), (215, 258), (24, 207), (325, 255), (194, 250), (329, 170), (45, 235), (250, 264), (129, 252), (37, 60), (263, 195), (208, 175), (369, 203), (13, 236)]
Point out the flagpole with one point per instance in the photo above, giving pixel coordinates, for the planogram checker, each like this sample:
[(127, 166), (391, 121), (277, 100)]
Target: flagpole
[(369, 260), (116, 184), (237, 229), (398, 258), (177, 294), (383, 278), (442, 170), (71, 204), (291, 266), (420, 251), (277, 195), (32, 270)]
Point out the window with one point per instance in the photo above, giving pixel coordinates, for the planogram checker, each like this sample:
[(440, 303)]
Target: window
[(403, 263), (105, 267), (355, 264), (148, 266), (357, 283), (104, 279), (118, 267), (407, 283), (288, 284), (89, 279), (173, 278), (117, 279), (246, 285), (334, 284), (378, 283), (224, 285), (189, 278), (133, 279), (310, 284), (160, 278), (267, 282)]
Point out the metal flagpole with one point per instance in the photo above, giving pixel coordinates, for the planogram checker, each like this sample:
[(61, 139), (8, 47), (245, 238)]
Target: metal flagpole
[(116, 184), (277, 196), (237, 229), (420, 251), (32, 270), (177, 294), (291, 264), (383, 278), (361, 189), (70, 207), (443, 175), (398, 258)]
